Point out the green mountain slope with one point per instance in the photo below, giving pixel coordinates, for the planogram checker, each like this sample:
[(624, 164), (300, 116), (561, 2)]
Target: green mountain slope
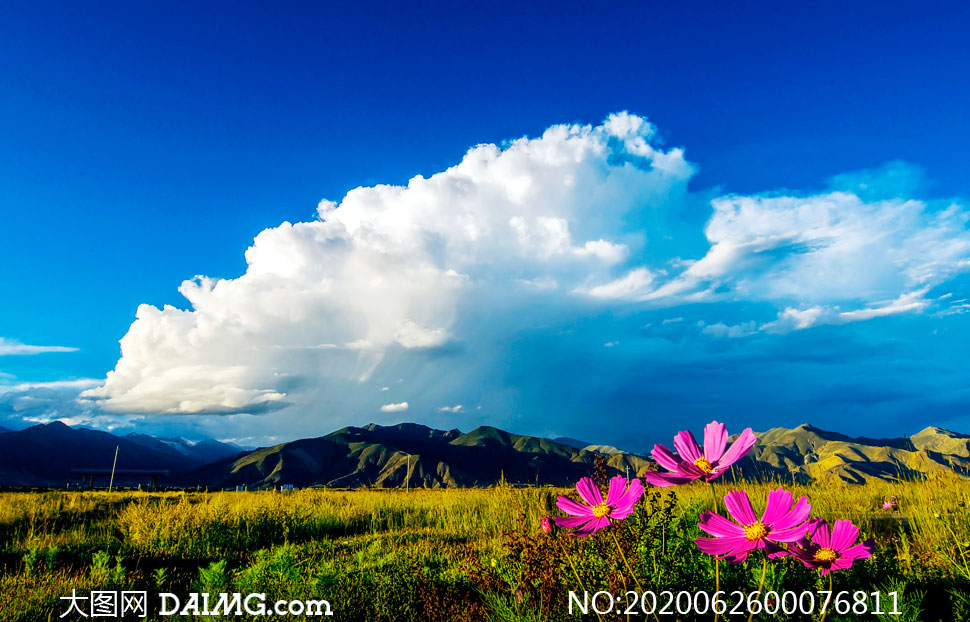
[(419, 456), (806, 452), (412, 455)]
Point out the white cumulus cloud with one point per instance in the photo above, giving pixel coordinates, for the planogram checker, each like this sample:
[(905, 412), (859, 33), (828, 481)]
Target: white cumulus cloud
[(433, 281), (391, 268), (394, 408)]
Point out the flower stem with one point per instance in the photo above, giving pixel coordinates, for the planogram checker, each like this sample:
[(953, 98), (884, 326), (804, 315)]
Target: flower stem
[(582, 586), (826, 612), (761, 586), (717, 580), (625, 562), (717, 562), (626, 597)]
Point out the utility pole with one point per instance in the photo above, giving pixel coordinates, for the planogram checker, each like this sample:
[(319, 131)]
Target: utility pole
[(111, 482), (407, 477)]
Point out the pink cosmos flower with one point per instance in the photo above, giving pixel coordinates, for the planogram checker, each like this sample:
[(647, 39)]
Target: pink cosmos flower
[(690, 463), (888, 505), (619, 503), (780, 522), (832, 549)]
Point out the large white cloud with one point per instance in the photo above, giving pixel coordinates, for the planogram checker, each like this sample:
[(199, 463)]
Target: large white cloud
[(390, 266), (538, 233)]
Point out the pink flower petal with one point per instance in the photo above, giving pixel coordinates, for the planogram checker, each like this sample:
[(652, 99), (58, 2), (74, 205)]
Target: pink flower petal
[(569, 506), (792, 534), (844, 535), (774, 551), (621, 513), (717, 525), (737, 557), (686, 446), (779, 504), (821, 534), (589, 491), (863, 550), (736, 546), (715, 441), (592, 526), (741, 446), (739, 507), (616, 489), (798, 514), (713, 475), (807, 558), (568, 522), (665, 458), (631, 496), (622, 507), (656, 478), (692, 470)]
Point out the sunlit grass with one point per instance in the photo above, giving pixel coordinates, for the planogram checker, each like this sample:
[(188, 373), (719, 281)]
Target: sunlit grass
[(422, 550)]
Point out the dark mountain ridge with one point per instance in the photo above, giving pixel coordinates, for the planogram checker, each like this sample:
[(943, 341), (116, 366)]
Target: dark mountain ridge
[(47, 454), (195, 453), (410, 454)]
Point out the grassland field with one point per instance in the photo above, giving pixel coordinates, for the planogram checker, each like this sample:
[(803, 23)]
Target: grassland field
[(454, 554)]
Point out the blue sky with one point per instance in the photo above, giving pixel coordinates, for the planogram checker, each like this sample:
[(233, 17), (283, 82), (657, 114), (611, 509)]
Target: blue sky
[(141, 146)]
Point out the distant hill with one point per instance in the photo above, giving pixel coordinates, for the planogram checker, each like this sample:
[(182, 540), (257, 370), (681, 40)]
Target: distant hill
[(943, 442), (194, 453), (46, 454), (578, 444), (378, 456), (571, 442), (420, 456), (807, 453), (604, 449)]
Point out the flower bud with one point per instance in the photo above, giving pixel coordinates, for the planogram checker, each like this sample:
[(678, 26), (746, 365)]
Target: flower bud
[(547, 525)]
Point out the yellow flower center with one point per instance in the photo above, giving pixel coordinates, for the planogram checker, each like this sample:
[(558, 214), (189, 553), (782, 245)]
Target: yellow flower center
[(601, 510), (704, 465), (755, 531), (826, 555)]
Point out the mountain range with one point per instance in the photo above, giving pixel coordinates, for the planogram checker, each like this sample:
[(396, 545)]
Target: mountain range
[(414, 455), (410, 454), (47, 454), (808, 453)]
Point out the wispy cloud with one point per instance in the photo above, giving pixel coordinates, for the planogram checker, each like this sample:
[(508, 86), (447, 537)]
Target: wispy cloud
[(68, 385), (10, 347)]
